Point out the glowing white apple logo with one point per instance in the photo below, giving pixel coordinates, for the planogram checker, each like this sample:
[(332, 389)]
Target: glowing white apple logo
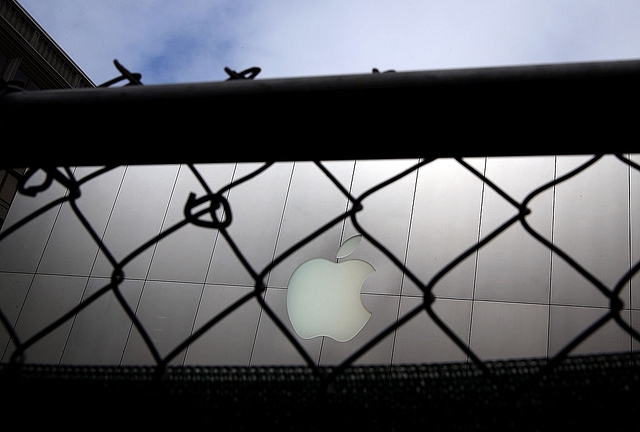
[(323, 297)]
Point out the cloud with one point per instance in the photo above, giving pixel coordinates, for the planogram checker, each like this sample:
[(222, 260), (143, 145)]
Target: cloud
[(171, 41), (349, 37)]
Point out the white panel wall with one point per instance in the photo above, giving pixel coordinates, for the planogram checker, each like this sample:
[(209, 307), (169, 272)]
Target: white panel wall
[(512, 298)]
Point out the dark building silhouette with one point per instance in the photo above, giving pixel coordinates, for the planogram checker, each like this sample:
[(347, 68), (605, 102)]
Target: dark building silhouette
[(30, 58)]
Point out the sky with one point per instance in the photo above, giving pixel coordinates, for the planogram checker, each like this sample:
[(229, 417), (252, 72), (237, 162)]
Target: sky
[(194, 40)]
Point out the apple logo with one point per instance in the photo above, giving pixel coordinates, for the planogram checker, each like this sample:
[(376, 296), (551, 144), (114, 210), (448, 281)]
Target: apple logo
[(323, 297)]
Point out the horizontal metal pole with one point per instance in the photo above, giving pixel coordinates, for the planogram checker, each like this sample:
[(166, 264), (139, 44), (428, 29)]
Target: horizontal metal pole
[(573, 108)]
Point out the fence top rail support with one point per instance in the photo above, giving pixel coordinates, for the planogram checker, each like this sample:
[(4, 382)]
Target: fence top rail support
[(546, 109)]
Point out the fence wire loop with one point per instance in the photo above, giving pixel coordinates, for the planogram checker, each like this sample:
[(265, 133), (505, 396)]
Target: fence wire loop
[(133, 78), (246, 74), (51, 174), (377, 71), (216, 202)]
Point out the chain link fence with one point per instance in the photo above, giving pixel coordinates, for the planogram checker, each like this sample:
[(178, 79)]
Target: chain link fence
[(563, 390)]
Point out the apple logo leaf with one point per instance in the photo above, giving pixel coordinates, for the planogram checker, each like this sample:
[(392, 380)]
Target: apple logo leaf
[(348, 246)]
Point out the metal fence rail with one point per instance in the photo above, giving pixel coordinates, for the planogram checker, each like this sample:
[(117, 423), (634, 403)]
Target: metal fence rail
[(515, 111), (581, 108)]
